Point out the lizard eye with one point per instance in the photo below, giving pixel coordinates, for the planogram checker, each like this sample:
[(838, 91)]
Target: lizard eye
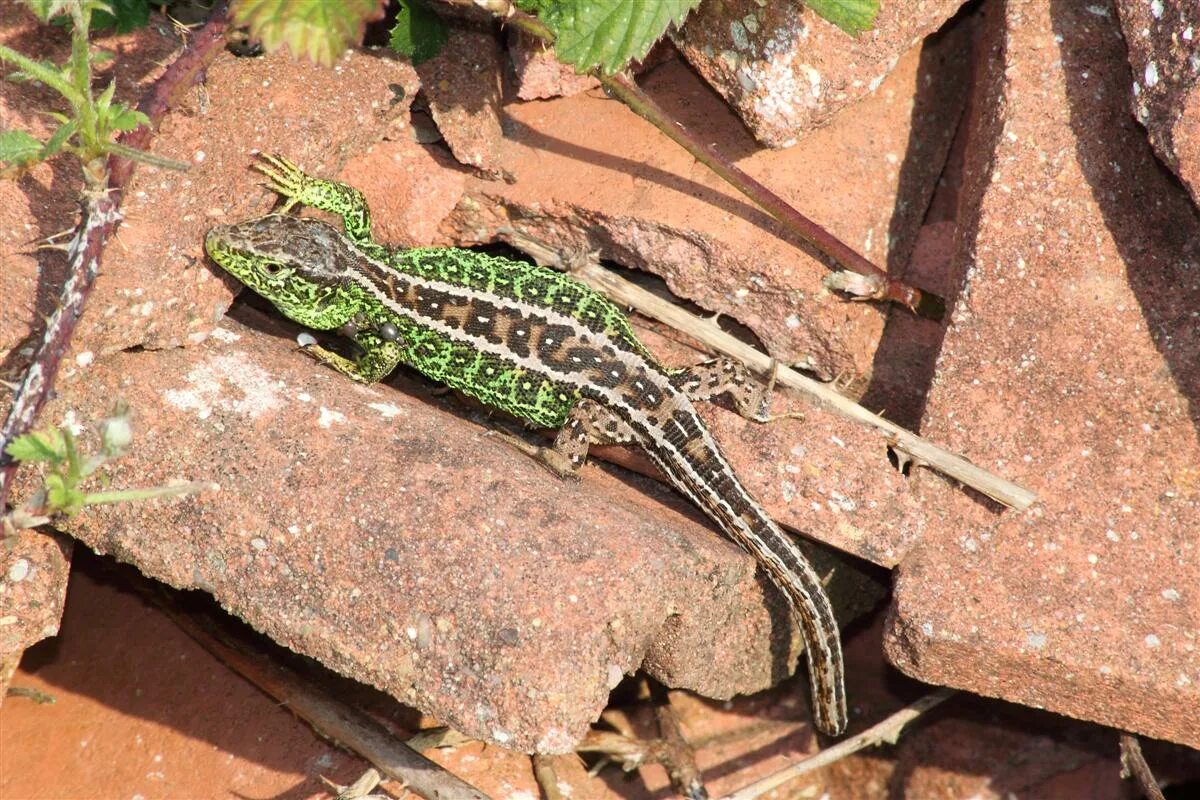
[(272, 267)]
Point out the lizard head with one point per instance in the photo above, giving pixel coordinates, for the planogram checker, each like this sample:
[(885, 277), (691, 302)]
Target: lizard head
[(298, 264)]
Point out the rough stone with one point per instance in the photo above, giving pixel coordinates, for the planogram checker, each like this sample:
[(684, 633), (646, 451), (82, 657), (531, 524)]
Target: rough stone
[(644, 202), (539, 74), (1072, 365), (1164, 51), (403, 546), (462, 84), (34, 567), (787, 71)]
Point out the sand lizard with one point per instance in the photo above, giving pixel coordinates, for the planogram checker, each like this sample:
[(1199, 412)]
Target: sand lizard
[(532, 342)]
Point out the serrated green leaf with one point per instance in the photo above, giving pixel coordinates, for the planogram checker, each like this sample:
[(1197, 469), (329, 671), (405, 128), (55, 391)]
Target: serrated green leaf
[(105, 99), (60, 137), (123, 15), (61, 496), (610, 33), (319, 30), (126, 119), (17, 147), (45, 9), (418, 33), (852, 16), (32, 448)]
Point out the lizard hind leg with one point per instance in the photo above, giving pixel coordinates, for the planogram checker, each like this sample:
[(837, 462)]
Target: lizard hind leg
[(291, 183), (588, 423), (724, 375)]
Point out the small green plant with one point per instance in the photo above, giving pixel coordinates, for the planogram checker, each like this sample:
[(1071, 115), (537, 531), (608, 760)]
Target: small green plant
[(88, 130), (68, 468)]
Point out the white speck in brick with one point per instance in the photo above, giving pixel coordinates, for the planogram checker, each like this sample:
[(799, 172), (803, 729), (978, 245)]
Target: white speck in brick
[(737, 32), (1152, 641), (1151, 75), (746, 80), (294, 530), (970, 545), (225, 335), (1171, 594), (500, 735), (792, 321), (199, 156), (208, 386), (1112, 535), (328, 417), (615, 675), (85, 358), (814, 79), (19, 570), (573, 598), (1036, 640), (387, 410), (927, 628), (304, 397), (258, 543), (837, 441), (1156, 8), (1092, 558), (1105, 670), (1188, 33)]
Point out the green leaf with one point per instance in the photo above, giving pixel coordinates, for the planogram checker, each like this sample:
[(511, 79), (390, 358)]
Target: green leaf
[(418, 33), (318, 30), (60, 137), (123, 15), (609, 33), (105, 99), (61, 495), (124, 118), (45, 9), (31, 448), (852, 16), (17, 147)]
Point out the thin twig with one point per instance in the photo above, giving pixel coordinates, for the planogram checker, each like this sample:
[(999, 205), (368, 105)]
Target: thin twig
[(547, 778), (99, 217), (1134, 763), (343, 724), (875, 284), (885, 732), (923, 452), (677, 756)]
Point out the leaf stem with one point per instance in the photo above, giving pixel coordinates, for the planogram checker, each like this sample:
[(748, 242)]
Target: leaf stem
[(149, 493)]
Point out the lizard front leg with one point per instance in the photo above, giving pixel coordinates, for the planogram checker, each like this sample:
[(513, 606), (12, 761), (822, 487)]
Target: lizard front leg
[(289, 181), (378, 358)]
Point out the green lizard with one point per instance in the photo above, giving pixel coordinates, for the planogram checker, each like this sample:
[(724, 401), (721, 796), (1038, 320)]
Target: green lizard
[(532, 342)]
